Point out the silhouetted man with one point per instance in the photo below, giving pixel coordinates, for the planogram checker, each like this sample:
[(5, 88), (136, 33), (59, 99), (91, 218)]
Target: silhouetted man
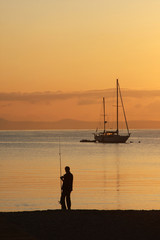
[(66, 189)]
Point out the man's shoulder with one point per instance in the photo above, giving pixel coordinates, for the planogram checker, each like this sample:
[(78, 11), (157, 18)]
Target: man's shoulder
[(70, 175)]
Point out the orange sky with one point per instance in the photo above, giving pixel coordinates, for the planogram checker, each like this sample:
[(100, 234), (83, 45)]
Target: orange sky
[(74, 46), (84, 105)]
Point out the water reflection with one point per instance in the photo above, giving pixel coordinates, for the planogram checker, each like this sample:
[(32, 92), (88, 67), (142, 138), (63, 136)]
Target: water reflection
[(106, 176), (117, 159)]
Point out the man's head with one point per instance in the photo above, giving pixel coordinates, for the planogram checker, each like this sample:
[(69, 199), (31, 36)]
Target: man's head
[(67, 169)]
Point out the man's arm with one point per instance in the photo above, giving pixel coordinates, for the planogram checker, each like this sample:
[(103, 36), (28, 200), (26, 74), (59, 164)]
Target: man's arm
[(62, 178)]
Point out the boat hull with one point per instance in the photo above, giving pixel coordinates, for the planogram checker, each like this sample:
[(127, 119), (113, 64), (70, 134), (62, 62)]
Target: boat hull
[(111, 138)]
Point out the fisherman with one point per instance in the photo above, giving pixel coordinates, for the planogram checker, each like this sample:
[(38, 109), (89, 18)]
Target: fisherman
[(66, 189)]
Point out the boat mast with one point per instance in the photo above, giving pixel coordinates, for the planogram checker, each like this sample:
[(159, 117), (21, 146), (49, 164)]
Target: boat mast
[(124, 111), (117, 109), (104, 114)]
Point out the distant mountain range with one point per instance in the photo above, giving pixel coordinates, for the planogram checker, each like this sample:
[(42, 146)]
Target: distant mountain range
[(35, 125), (69, 124)]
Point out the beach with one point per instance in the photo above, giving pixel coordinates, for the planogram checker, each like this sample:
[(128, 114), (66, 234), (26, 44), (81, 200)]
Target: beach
[(80, 224)]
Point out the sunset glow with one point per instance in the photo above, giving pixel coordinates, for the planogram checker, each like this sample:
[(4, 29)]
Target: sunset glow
[(72, 49)]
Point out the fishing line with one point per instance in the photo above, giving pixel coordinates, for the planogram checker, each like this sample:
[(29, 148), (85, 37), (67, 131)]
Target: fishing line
[(60, 168), (60, 163)]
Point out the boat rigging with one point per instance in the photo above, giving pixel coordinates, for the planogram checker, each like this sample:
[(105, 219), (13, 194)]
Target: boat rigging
[(113, 136)]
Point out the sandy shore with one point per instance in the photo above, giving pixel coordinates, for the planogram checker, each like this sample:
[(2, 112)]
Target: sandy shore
[(80, 224)]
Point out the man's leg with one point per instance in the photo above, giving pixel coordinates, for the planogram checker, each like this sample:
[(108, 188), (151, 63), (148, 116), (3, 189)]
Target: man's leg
[(63, 205), (68, 200)]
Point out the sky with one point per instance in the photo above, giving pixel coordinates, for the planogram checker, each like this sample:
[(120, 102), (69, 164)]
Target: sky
[(74, 50)]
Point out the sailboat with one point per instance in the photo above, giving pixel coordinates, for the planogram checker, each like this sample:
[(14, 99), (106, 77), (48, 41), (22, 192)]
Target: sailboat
[(113, 136)]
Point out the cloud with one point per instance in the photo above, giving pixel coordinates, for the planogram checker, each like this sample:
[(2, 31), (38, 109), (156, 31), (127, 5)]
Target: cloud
[(32, 97), (6, 105), (83, 97), (35, 97), (87, 101), (141, 93), (154, 105), (138, 105)]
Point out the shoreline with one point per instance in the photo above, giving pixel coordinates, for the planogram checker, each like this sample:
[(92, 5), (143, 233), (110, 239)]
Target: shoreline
[(80, 224)]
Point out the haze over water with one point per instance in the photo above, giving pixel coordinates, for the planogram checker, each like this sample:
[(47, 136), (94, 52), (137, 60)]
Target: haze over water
[(106, 176)]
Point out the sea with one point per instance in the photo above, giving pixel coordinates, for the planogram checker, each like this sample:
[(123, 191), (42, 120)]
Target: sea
[(106, 176)]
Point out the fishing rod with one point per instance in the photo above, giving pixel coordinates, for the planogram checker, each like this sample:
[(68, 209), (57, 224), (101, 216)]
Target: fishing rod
[(60, 168), (60, 164)]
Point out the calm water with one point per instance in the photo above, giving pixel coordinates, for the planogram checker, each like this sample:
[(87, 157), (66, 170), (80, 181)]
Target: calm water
[(106, 176)]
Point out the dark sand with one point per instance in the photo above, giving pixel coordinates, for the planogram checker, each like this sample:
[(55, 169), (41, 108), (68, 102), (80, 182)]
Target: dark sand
[(80, 224)]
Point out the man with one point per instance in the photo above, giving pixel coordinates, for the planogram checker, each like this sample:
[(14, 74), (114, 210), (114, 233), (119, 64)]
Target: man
[(66, 189)]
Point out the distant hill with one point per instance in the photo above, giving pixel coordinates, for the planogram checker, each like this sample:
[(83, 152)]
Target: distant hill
[(69, 124), (30, 125)]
